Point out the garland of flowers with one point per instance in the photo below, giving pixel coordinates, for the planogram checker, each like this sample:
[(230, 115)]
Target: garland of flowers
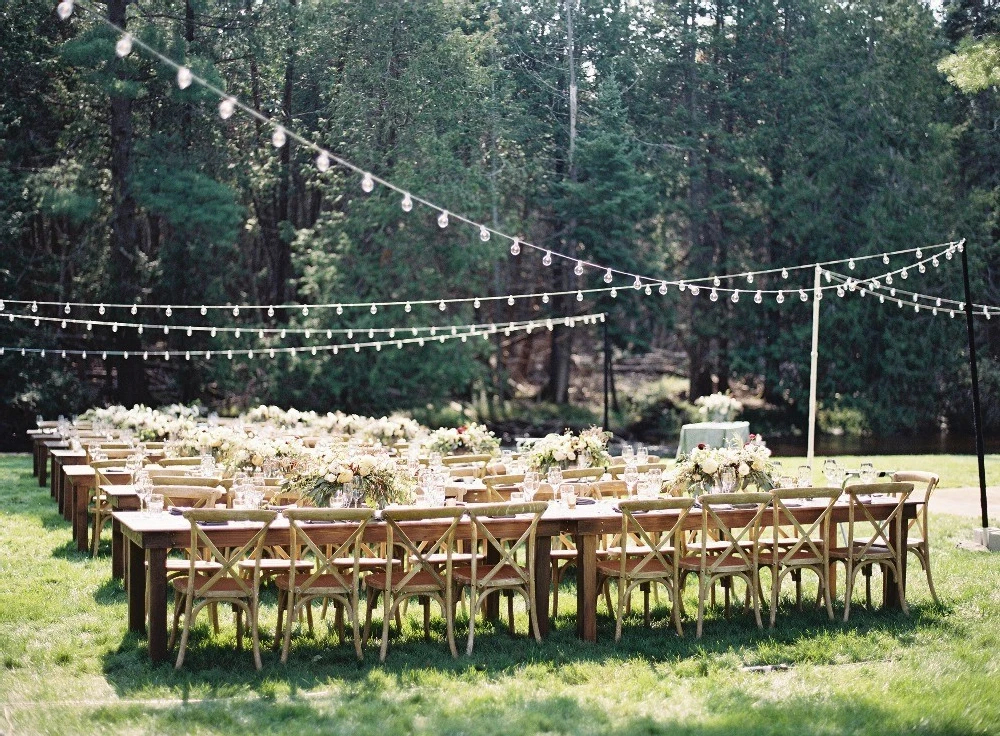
[(473, 439), (588, 449), (718, 407), (149, 425)]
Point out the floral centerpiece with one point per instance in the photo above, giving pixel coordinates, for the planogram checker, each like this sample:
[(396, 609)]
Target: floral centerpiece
[(701, 470), (285, 453), (590, 448), (375, 480), (149, 424), (718, 407), (474, 439)]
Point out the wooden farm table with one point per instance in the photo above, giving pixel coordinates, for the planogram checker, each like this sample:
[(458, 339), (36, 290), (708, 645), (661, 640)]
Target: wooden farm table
[(60, 459), (43, 449), (121, 497), (77, 482), (149, 537), (38, 436)]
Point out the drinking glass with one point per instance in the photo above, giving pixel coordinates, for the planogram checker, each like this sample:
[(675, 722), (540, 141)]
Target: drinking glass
[(727, 479), (627, 453), (567, 492), (642, 454), (805, 476), (554, 477), (516, 496), (830, 471), (156, 503), (530, 485), (868, 473), (631, 478)]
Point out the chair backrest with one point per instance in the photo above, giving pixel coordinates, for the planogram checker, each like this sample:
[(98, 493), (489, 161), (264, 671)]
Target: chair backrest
[(327, 558), (617, 470), (472, 460), (861, 512), (505, 552), (100, 466), (583, 473), (805, 537), (660, 544), (172, 462), (229, 556), (733, 536), (160, 479), (194, 497), (499, 487), (609, 489), (923, 483), (418, 551)]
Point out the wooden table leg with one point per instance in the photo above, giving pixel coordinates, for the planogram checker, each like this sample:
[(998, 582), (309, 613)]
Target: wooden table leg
[(543, 581), (491, 606), (157, 601), (43, 469), (586, 587), (136, 589), (897, 538), (80, 495), (117, 551), (34, 456)]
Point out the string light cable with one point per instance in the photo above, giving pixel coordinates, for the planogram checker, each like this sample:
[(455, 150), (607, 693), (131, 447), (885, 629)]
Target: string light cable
[(325, 158), (507, 328)]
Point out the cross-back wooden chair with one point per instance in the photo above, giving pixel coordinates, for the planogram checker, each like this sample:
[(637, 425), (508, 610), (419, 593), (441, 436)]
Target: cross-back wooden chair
[(872, 541), (507, 574), (98, 508), (499, 487), (422, 576), (617, 471), (189, 496), (649, 557), (475, 461), (324, 574), (225, 584), (609, 489), (583, 474), (805, 545), (175, 462), (737, 557), (918, 532)]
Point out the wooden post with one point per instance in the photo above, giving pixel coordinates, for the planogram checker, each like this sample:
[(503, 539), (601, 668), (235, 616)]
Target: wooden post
[(607, 371), (977, 412), (813, 366)]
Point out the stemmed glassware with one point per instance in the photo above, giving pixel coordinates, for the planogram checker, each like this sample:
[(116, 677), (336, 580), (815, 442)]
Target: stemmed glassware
[(530, 485), (727, 479), (642, 455), (832, 472), (631, 478), (868, 474), (555, 478)]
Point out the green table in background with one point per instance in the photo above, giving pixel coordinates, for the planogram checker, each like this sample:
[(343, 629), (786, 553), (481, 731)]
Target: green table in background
[(712, 434)]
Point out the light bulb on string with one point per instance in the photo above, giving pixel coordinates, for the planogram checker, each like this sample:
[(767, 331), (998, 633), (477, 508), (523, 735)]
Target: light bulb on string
[(758, 297), (919, 254), (329, 334), (681, 286), (903, 274), (406, 204), (515, 248), (237, 333), (840, 291), (951, 313), (850, 264), (828, 275), (888, 278), (922, 268), (614, 293), (114, 328), (236, 311), (784, 273), (484, 234), (282, 334), (663, 288), (547, 258), (350, 334), (892, 292), (63, 325), (37, 321), (545, 298), (608, 276), (934, 311), (339, 310), (308, 334), (392, 332), (187, 355), (305, 311), (442, 306), (914, 297), (749, 278), (64, 9), (189, 331), (510, 301), (714, 295), (169, 312), (278, 137), (373, 309), (34, 306), (212, 332), (90, 325), (695, 290), (715, 281), (42, 353), (960, 247), (367, 183), (947, 254), (637, 284), (735, 297), (647, 291), (124, 46), (357, 348), (371, 334), (227, 107), (134, 310), (803, 296), (935, 262), (313, 350), (881, 298), (578, 268), (579, 296), (184, 77), (443, 220), (407, 308), (780, 298), (885, 259), (323, 162)]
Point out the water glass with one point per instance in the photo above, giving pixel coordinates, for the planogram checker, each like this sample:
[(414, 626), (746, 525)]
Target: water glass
[(727, 479), (530, 485), (631, 478), (627, 453), (805, 476), (567, 491), (516, 496), (868, 474), (642, 454), (830, 471), (155, 503), (554, 477)]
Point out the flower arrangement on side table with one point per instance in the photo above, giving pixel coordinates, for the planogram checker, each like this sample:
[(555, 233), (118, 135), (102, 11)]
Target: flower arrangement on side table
[(474, 439), (701, 470), (375, 480), (718, 407), (559, 450)]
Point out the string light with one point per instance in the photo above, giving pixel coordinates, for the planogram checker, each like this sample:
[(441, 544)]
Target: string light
[(124, 46), (279, 137), (547, 258), (64, 9), (515, 248), (367, 183), (442, 220), (406, 204), (484, 233), (184, 77), (228, 106), (578, 268), (323, 162)]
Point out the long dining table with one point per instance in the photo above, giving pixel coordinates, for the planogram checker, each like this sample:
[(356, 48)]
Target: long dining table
[(149, 537)]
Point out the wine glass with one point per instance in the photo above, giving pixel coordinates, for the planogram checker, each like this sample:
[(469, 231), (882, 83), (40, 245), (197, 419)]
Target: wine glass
[(554, 477), (530, 485), (631, 478), (642, 454), (830, 471), (627, 453), (804, 476)]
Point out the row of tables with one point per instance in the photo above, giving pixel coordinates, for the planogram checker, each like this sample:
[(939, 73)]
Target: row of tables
[(140, 538)]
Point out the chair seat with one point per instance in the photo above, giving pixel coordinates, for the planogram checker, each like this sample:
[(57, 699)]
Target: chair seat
[(457, 558), (321, 585), (715, 547), (801, 557), (563, 554), (222, 588), (652, 569), (365, 564), (872, 553), (506, 575), (421, 582), (176, 564), (731, 563), (271, 565)]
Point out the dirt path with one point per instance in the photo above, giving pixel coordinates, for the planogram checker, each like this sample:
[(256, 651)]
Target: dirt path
[(965, 501)]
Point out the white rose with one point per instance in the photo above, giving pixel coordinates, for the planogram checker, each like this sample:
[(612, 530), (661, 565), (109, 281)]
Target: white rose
[(365, 466), (744, 469), (709, 466), (758, 465), (571, 455), (559, 455), (330, 478), (345, 477)]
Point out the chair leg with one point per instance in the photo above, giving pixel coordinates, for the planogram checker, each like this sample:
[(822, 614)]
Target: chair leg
[(387, 610), (701, 603), (356, 627), (848, 590), (619, 609), (556, 570), (338, 619), (675, 605), (924, 555), (291, 605), (188, 606), (510, 611), (473, 610), (753, 590), (278, 634), (425, 603), (254, 633), (448, 610), (645, 603), (177, 618), (775, 587), (238, 612), (867, 572), (370, 596)]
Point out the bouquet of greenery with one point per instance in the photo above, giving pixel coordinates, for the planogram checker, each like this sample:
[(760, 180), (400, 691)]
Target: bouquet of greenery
[(701, 470), (473, 439), (718, 407), (589, 449), (375, 480)]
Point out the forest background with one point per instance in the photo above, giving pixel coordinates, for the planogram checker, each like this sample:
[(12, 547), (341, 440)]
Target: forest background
[(674, 138)]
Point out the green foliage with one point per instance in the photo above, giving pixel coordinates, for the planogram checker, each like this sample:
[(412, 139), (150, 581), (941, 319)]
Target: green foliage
[(975, 65)]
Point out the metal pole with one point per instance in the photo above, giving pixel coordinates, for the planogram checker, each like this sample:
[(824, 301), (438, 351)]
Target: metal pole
[(813, 366), (607, 372), (977, 415)]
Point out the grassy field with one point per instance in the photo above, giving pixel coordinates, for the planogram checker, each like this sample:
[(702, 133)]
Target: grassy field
[(68, 665), (956, 471)]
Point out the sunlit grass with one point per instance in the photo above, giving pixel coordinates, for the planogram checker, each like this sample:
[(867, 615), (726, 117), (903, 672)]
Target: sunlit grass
[(68, 665), (956, 471)]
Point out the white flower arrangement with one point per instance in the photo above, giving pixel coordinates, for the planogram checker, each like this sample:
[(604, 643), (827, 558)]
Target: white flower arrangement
[(560, 450), (700, 471), (718, 407), (149, 424), (474, 439), (374, 479)]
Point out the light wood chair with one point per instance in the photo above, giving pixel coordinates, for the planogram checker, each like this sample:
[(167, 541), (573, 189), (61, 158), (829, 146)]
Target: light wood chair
[(737, 557), (421, 577), (189, 496), (918, 532), (649, 557), (98, 508), (506, 575), (864, 550), (226, 584), (805, 547), (324, 575), (175, 462), (616, 471)]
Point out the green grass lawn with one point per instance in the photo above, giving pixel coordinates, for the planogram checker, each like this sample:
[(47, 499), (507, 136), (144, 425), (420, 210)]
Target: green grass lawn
[(68, 665), (956, 471)]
